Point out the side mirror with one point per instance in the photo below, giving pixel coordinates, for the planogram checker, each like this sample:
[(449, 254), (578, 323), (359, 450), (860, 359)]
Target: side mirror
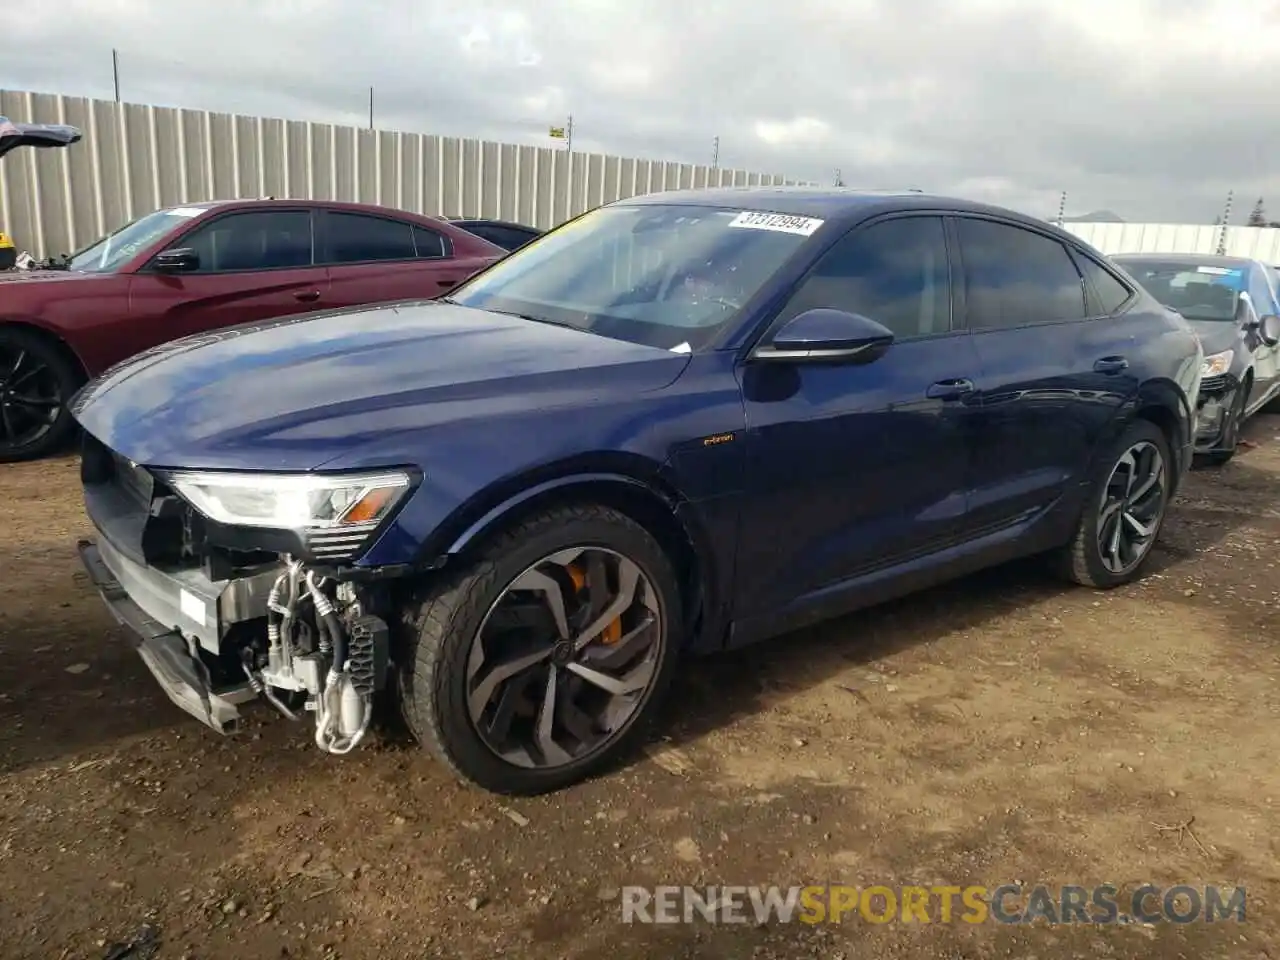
[(1245, 314), (833, 336), (177, 260), (1269, 330)]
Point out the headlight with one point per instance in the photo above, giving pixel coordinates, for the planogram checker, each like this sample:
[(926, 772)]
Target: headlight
[(1217, 364), (292, 502)]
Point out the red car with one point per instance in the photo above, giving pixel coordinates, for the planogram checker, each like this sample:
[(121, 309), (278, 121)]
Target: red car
[(200, 267)]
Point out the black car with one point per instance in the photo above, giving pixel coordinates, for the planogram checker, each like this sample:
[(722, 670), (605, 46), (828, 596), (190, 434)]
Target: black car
[(509, 236), (1234, 305)]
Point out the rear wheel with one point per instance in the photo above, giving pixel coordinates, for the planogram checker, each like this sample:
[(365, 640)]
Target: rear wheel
[(543, 662), (36, 383), (1123, 512)]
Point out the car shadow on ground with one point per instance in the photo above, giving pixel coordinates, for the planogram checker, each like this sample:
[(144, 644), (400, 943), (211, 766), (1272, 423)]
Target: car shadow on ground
[(731, 685)]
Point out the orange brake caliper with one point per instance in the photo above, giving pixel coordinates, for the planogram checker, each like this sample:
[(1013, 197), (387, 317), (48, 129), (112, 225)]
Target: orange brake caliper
[(613, 632)]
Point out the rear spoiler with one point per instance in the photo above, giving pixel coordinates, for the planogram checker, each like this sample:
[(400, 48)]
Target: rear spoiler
[(14, 135)]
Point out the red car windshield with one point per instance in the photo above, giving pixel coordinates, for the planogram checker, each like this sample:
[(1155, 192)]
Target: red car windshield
[(116, 249)]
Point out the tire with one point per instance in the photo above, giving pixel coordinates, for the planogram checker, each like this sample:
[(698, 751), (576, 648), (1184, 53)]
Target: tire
[(1082, 559), (1231, 432), (42, 368), (439, 628)]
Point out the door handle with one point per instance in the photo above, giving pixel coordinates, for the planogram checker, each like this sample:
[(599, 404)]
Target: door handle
[(1110, 365), (307, 296), (447, 283), (949, 389)]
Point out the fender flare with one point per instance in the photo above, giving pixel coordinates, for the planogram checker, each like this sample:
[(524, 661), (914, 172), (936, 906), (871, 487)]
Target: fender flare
[(703, 600), (494, 516)]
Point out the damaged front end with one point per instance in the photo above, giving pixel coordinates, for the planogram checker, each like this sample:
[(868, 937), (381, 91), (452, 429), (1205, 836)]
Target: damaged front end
[(326, 649), (224, 613), (1215, 405)]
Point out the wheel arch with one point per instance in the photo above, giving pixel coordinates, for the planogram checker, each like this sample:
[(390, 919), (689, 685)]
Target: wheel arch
[(644, 498), (52, 339), (1163, 404)]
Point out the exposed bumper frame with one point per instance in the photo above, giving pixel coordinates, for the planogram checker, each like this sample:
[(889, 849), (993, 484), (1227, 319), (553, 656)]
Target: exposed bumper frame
[(1221, 400), (175, 665)]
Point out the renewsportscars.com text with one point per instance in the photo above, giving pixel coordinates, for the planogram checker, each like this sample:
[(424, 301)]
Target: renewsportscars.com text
[(1007, 903)]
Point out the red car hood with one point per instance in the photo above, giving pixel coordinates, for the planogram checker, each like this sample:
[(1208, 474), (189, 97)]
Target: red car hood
[(35, 276)]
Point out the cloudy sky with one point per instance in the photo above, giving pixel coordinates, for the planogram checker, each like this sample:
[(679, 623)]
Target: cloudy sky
[(1151, 108)]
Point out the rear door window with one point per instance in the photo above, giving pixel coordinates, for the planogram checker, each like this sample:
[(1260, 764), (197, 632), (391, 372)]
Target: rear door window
[(1014, 276), (1106, 293), (359, 238), (430, 245)]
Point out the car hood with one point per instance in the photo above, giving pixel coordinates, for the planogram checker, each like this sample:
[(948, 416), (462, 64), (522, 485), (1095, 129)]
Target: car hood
[(36, 276), (1216, 335), (296, 393), (14, 135)]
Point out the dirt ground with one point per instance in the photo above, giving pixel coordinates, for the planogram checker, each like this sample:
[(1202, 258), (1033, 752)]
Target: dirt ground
[(1004, 728)]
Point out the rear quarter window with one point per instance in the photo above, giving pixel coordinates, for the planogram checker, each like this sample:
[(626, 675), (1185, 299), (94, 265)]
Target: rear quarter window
[(1106, 291)]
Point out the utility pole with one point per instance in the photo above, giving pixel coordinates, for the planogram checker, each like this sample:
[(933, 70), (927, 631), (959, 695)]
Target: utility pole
[(839, 181), (115, 71), (1062, 208), (715, 154), (371, 108), (1226, 218), (568, 135)]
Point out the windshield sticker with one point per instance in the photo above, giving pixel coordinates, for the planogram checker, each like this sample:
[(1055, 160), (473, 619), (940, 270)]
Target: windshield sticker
[(185, 212), (777, 222), (1216, 271), (682, 348)]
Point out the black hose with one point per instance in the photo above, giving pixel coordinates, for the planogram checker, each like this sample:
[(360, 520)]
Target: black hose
[(339, 638)]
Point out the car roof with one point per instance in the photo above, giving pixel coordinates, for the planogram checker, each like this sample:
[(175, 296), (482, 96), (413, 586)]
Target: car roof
[(291, 202), (843, 203), (491, 222), (339, 205), (1189, 259), (454, 231)]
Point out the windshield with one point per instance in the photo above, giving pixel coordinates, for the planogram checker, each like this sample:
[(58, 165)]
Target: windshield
[(116, 249), (664, 275), (1197, 291)]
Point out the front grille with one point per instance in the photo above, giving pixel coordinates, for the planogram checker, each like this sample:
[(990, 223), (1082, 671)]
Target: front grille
[(1214, 384), (341, 544)]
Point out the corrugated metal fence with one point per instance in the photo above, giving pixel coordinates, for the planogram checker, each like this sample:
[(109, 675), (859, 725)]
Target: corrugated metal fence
[(135, 159), (1261, 243)]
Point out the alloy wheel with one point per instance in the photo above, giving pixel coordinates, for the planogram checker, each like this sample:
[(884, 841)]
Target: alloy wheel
[(565, 657), (1133, 504), (30, 398)]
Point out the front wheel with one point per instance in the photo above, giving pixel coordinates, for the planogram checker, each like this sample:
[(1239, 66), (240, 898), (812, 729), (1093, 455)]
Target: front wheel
[(542, 661), (1123, 512), (36, 382)]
